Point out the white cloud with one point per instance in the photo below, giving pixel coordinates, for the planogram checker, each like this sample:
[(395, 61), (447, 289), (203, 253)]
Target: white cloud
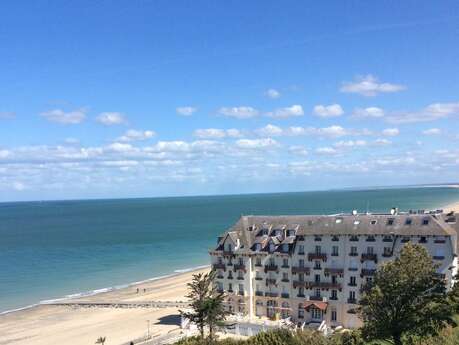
[(216, 133), (111, 118), (432, 131), (382, 142), (4, 154), (432, 112), (19, 186), (242, 112), (298, 150), (325, 111), (120, 147), (269, 131), (283, 113), (69, 118), (257, 143), (186, 111), (272, 93), (390, 132), (369, 86), (370, 112), (350, 143), (332, 131), (326, 151), (136, 135), (71, 141)]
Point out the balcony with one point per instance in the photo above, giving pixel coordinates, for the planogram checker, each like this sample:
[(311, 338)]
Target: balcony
[(270, 282), (300, 283), (240, 293), (271, 294), (301, 295), (285, 295), (258, 293), (230, 277), (220, 277), (368, 272), (285, 266), (438, 257), (239, 267), (258, 278), (317, 256), (353, 269), (333, 298), (387, 255), (315, 298), (331, 270), (298, 269), (240, 278), (439, 241), (271, 268), (285, 280), (220, 290), (352, 301), (326, 285), (228, 252), (353, 254), (258, 264), (219, 266), (369, 257), (352, 284)]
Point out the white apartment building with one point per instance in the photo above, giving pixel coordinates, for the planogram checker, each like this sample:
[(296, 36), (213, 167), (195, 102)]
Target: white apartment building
[(311, 268)]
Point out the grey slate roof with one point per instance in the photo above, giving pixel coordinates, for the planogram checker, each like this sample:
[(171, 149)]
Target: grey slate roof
[(248, 227)]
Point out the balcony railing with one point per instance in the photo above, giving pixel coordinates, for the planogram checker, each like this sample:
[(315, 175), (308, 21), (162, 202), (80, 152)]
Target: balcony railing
[(285, 280), (220, 277), (325, 285), (240, 293), (240, 278), (271, 294), (331, 270), (239, 267), (317, 256), (301, 295), (270, 281), (300, 283), (334, 298), (352, 301), (315, 298), (368, 272), (269, 268), (219, 266), (298, 269), (438, 257), (285, 295), (387, 255), (228, 252), (258, 278), (369, 257), (230, 277), (353, 254), (258, 293)]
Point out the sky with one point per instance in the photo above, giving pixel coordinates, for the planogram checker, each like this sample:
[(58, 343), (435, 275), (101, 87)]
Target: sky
[(112, 99)]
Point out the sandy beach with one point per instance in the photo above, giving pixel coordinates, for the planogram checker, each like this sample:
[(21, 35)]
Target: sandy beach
[(48, 324)]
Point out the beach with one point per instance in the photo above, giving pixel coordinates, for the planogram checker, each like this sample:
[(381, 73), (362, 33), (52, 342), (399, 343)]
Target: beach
[(58, 324), (50, 324)]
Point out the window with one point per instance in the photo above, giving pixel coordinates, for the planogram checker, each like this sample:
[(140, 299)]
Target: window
[(241, 261), (301, 263), (220, 260), (285, 247), (301, 311), (230, 287), (370, 250), (371, 238), (352, 281), (285, 276), (387, 251), (258, 262), (301, 277), (318, 249), (353, 251), (423, 239), (285, 262), (220, 286), (317, 265), (352, 295), (239, 275), (290, 232), (272, 262), (334, 280), (373, 222), (335, 251), (408, 221), (241, 288), (369, 280), (317, 278), (335, 238), (317, 293), (258, 246), (354, 238), (333, 315), (334, 294), (390, 221), (316, 314), (301, 292), (425, 221), (271, 247), (300, 249), (317, 238)]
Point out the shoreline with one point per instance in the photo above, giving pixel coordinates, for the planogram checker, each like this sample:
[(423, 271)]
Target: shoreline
[(96, 292)]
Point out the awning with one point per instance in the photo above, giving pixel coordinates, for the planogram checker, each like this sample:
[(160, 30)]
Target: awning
[(318, 304)]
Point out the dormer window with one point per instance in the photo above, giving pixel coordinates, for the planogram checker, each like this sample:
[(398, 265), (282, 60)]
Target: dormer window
[(373, 221), (408, 221), (271, 247), (290, 232), (354, 238), (335, 238), (264, 232), (257, 246), (317, 238), (285, 247), (390, 221), (425, 221), (371, 238)]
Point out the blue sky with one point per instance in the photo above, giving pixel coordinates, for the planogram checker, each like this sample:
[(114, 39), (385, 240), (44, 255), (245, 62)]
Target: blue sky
[(154, 98)]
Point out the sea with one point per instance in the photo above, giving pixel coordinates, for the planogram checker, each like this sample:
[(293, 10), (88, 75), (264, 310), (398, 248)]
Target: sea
[(56, 249)]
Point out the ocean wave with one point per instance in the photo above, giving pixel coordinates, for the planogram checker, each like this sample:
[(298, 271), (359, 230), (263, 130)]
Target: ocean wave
[(103, 290)]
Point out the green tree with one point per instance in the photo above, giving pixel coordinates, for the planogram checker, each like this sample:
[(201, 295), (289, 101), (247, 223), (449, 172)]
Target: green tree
[(206, 303), (100, 340), (406, 298)]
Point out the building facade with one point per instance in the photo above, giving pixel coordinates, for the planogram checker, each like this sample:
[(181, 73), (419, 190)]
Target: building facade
[(311, 268)]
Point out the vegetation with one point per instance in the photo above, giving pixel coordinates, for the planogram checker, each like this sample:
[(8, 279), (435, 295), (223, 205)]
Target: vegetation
[(206, 303), (100, 340), (406, 299)]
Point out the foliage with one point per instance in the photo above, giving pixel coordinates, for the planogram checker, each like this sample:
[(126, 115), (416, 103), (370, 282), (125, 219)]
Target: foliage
[(406, 299), (206, 303), (100, 340)]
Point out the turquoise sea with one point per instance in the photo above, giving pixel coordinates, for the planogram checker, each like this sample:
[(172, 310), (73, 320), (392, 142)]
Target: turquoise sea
[(58, 248)]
